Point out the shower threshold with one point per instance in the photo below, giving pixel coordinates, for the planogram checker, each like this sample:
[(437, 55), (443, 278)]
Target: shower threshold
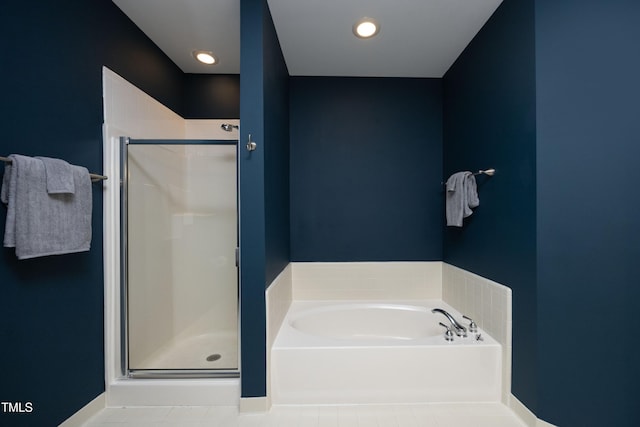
[(182, 373), (174, 391)]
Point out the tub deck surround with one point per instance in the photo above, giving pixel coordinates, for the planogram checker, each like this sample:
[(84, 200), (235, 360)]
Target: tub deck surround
[(489, 304), (366, 280), (317, 355), (368, 352), (278, 300)]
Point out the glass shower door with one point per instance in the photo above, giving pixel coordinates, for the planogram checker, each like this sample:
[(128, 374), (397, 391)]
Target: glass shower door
[(180, 238)]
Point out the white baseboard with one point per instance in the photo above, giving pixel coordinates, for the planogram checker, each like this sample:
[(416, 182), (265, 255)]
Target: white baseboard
[(528, 417), (86, 412), (254, 404)]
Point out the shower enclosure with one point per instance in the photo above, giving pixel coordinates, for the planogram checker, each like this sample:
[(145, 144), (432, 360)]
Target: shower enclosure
[(179, 256)]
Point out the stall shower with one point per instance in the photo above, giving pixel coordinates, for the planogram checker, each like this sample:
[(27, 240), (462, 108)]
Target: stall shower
[(179, 252)]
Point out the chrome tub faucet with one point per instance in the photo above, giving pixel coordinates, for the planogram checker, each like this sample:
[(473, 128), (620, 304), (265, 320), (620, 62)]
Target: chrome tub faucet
[(460, 330)]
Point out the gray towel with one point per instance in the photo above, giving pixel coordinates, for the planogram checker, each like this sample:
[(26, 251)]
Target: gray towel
[(9, 188), (41, 224), (462, 195), (59, 176)]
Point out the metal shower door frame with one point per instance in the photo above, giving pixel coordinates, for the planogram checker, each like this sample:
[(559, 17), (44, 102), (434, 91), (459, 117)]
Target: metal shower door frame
[(124, 283)]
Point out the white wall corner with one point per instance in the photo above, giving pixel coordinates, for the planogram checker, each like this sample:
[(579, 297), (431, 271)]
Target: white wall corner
[(254, 404), (86, 412)]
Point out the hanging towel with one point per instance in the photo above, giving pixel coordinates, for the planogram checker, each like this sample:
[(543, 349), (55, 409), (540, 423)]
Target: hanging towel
[(59, 175), (39, 223), (7, 194), (462, 195)]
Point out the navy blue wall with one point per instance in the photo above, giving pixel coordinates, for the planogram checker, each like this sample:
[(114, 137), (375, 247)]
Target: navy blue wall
[(252, 222), (366, 168), (276, 140), (263, 183), (208, 96), (588, 127), (51, 309), (489, 121)]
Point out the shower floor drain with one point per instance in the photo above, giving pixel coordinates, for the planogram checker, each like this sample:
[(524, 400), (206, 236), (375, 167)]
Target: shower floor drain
[(213, 357)]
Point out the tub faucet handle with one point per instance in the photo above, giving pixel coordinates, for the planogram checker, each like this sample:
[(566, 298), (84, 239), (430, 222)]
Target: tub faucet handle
[(448, 335), (472, 325)]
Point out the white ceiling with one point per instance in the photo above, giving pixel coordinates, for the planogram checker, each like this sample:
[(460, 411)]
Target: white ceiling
[(179, 27), (417, 38)]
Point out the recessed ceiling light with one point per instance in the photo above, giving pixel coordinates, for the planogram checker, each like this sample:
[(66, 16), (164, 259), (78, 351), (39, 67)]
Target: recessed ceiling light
[(205, 57), (366, 28)]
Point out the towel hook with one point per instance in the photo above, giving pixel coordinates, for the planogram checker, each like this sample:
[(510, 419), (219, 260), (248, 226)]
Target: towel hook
[(251, 146)]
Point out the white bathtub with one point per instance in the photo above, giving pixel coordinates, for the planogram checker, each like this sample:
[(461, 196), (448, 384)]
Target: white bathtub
[(356, 322), (357, 352)]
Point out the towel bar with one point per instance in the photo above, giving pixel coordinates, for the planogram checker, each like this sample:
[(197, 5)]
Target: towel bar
[(93, 176), (489, 172)]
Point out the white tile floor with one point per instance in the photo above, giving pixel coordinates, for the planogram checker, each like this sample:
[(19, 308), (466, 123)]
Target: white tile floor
[(414, 415)]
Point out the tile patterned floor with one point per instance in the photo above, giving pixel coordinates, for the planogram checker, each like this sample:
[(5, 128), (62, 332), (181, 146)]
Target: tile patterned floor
[(414, 415)]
